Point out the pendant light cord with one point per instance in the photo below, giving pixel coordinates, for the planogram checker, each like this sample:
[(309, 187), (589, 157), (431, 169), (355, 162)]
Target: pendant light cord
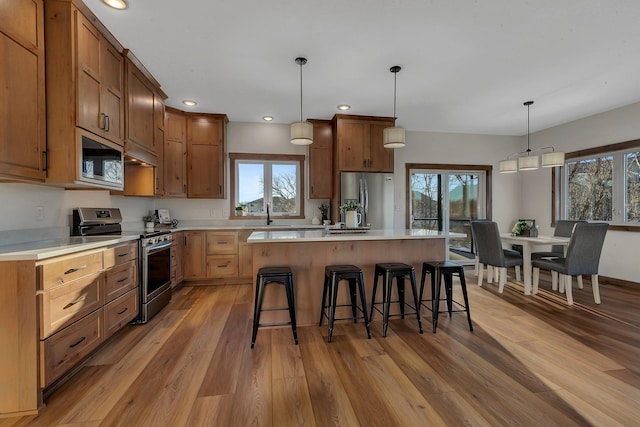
[(300, 90), (528, 104), (395, 87)]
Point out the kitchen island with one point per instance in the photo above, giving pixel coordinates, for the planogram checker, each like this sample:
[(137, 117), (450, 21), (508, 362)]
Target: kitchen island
[(307, 252)]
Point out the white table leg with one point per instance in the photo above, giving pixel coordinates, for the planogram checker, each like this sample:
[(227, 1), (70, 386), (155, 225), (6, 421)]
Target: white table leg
[(526, 266)]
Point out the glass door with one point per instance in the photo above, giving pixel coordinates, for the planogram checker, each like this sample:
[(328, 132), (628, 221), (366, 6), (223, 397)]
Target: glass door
[(448, 201)]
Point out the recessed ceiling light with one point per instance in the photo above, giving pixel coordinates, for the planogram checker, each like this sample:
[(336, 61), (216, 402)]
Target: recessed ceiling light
[(116, 4), (267, 118), (189, 103), (344, 107)]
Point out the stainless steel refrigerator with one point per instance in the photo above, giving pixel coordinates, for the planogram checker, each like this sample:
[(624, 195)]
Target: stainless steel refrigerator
[(374, 191)]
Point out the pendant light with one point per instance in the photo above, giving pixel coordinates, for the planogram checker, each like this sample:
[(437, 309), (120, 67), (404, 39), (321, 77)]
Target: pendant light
[(526, 160), (302, 131), (394, 137)]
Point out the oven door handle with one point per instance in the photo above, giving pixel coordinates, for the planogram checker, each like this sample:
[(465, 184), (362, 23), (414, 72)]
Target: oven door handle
[(150, 250)]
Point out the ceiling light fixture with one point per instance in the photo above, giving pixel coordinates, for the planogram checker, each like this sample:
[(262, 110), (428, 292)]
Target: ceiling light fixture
[(302, 131), (394, 137), (344, 107), (189, 103), (267, 118), (116, 4), (525, 160)]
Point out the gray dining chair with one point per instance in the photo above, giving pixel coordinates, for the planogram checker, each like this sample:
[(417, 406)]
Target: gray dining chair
[(582, 259), (492, 254), (564, 228)]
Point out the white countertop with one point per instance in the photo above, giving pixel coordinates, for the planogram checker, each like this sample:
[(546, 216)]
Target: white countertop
[(323, 236), (55, 247), (52, 247)]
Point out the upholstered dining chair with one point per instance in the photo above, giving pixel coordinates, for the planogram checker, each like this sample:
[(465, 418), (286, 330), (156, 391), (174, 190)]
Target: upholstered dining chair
[(564, 228), (583, 258), (492, 254)]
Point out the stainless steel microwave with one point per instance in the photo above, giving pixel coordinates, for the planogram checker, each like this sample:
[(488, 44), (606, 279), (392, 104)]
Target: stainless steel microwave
[(101, 161)]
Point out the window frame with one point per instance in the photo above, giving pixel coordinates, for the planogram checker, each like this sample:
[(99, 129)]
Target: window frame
[(234, 158), (559, 180)]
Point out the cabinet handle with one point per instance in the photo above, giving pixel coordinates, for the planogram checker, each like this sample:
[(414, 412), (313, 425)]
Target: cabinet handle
[(185, 240), (108, 125), (223, 243), (103, 125), (184, 188), (73, 270), (122, 280), (123, 310), (77, 343), (220, 190), (222, 266), (74, 302), (124, 254), (45, 160)]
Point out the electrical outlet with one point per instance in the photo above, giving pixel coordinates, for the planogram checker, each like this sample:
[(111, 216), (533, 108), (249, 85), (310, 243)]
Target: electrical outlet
[(40, 213)]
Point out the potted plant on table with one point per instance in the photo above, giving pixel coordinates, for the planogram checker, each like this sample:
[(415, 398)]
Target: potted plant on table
[(324, 211), (149, 222), (352, 210), (240, 210), (521, 228)]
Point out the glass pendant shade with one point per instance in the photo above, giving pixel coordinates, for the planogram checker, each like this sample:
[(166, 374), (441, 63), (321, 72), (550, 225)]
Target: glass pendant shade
[(393, 137), (301, 133), (508, 166), (553, 159), (528, 163)]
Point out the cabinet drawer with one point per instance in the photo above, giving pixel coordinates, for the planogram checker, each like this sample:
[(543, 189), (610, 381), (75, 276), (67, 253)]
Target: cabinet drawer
[(61, 306), (119, 312), (120, 254), (62, 351), (61, 270), (222, 242), (222, 266), (120, 279)]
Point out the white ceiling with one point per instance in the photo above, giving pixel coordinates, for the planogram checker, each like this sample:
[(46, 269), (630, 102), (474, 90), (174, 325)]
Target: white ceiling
[(467, 66)]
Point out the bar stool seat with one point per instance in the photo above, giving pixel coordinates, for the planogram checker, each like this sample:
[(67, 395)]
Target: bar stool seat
[(266, 276), (399, 271), (446, 269), (333, 275)]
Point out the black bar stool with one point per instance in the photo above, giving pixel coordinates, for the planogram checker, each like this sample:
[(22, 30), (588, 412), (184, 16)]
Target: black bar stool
[(389, 271), (446, 269), (265, 276), (333, 275)]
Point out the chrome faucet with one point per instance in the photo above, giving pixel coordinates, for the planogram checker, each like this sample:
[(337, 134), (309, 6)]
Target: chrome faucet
[(269, 220)]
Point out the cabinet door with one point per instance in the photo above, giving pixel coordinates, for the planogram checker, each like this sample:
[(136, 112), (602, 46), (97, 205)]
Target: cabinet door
[(194, 255), (140, 130), (353, 145), (175, 160), (111, 95), (381, 158), (321, 161), (22, 109), (88, 45), (204, 130), (175, 154), (205, 179)]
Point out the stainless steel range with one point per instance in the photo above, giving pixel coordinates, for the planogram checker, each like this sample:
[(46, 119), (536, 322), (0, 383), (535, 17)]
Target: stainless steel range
[(154, 265)]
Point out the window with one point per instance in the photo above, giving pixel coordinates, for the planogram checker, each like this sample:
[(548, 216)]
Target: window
[(448, 198), (603, 184), (263, 179)]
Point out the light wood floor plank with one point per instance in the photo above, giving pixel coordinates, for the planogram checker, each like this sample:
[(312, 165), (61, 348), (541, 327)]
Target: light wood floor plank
[(291, 403)]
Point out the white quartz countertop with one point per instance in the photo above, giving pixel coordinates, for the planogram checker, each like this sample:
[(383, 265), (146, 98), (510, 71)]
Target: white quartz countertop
[(324, 236), (55, 247), (52, 247)]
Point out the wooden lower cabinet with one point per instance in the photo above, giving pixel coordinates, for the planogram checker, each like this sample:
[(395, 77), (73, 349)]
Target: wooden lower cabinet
[(177, 257), (119, 312), (61, 351), (194, 255)]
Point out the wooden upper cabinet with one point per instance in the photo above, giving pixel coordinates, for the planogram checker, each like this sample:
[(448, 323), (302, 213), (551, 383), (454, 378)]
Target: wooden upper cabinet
[(99, 83), (206, 155), (158, 138), (359, 144), (140, 141), (321, 160), (175, 154), (22, 75)]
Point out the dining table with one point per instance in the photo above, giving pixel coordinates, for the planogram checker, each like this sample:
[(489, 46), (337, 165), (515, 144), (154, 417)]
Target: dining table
[(528, 243)]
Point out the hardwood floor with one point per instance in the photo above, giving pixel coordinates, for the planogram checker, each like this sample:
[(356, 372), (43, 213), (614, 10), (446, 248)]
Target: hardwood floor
[(530, 361)]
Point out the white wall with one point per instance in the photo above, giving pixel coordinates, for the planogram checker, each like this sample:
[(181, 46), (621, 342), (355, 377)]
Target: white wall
[(619, 258)]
